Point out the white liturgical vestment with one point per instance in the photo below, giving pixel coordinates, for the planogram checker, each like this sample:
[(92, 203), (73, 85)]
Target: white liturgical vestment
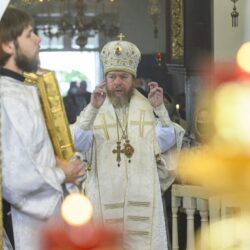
[(128, 197), (31, 182)]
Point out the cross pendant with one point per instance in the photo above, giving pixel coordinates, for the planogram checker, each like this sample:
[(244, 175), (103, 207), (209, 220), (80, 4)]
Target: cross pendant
[(118, 151)]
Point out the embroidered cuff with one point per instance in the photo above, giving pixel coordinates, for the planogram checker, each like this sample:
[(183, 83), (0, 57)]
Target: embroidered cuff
[(162, 113)]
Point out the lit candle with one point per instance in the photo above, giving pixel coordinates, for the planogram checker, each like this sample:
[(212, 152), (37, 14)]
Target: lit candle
[(177, 106), (77, 231), (76, 209)]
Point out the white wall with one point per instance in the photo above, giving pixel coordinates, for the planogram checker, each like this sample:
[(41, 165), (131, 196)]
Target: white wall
[(137, 25), (228, 39), (247, 20)]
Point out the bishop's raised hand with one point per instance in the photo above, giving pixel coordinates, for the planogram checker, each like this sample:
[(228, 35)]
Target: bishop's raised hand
[(98, 96), (155, 95)]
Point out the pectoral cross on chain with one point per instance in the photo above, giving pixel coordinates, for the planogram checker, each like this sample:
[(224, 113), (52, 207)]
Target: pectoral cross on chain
[(118, 151)]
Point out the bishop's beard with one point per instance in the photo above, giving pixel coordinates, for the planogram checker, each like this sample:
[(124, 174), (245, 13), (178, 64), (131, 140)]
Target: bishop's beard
[(120, 101)]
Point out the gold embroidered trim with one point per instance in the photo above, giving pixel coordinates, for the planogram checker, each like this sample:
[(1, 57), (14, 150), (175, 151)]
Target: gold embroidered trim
[(142, 123), (138, 218), (104, 126), (113, 205), (139, 203), (138, 233), (114, 221)]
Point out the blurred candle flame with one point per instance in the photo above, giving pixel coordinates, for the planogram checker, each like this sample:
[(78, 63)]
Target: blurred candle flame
[(76, 209), (243, 57), (177, 106), (222, 165), (231, 113), (227, 153)]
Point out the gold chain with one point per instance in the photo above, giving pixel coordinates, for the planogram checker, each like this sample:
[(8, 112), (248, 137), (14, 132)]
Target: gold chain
[(124, 131), (128, 150)]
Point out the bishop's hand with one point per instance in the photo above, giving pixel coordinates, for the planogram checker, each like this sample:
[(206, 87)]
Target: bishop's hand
[(155, 95), (98, 95)]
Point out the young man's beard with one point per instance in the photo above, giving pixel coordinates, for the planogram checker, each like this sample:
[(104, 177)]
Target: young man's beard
[(25, 63), (120, 101)]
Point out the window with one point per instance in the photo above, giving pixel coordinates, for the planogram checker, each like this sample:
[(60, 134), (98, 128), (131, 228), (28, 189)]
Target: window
[(73, 66)]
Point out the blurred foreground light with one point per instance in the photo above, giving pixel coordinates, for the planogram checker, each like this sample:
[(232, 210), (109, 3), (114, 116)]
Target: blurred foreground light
[(231, 113), (243, 57), (223, 167), (76, 209), (229, 233)]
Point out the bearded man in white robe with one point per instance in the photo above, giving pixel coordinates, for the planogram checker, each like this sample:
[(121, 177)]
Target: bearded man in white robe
[(130, 144), (31, 175)]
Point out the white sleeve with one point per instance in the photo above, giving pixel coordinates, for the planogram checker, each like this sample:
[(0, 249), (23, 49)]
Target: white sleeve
[(163, 116), (31, 181), (82, 139), (169, 159), (165, 136), (86, 118), (165, 130), (81, 130)]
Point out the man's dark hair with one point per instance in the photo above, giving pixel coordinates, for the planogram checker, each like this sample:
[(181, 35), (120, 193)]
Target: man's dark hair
[(12, 24)]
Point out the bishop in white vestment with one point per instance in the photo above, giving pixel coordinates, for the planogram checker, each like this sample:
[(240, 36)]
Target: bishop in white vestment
[(129, 148)]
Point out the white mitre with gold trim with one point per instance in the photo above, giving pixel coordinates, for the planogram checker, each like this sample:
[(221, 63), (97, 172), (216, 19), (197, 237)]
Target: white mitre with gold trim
[(120, 55)]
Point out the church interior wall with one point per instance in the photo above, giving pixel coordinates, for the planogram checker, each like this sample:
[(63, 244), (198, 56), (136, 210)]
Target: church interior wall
[(228, 39), (138, 27)]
